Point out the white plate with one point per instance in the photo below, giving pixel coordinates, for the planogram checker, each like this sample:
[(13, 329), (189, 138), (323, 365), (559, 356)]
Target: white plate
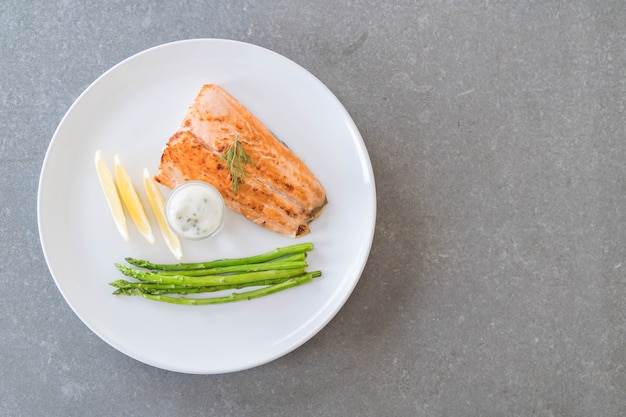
[(132, 110)]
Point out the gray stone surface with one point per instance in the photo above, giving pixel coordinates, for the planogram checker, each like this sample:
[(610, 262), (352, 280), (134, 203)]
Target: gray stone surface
[(496, 284)]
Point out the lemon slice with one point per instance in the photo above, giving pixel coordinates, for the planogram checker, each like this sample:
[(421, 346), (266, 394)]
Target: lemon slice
[(157, 202), (131, 200), (111, 195)]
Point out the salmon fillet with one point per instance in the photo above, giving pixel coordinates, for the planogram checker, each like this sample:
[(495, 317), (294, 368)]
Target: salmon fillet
[(278, 192)]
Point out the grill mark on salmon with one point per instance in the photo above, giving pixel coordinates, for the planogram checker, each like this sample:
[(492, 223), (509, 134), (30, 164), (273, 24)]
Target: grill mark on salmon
[(279, 192)]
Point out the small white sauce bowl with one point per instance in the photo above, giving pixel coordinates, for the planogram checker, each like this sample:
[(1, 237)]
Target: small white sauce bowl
[(195, 210)]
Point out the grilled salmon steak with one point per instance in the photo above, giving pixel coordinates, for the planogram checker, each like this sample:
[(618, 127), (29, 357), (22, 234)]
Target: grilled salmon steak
[(277, 190)]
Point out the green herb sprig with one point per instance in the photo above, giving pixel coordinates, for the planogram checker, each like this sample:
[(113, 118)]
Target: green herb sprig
[(236, 157)]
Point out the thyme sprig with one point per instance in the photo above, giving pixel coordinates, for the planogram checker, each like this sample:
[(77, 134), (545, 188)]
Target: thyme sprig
[(236, 157)]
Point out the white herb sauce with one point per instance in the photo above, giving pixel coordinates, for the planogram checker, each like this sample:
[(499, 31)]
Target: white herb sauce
[(195, 210)]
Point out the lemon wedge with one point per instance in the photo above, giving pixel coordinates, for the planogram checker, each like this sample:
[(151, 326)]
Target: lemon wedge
[(157, 202), (111, 195), (131, 200)]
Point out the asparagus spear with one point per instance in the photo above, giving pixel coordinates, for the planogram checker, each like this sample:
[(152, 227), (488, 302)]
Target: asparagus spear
[(268, 256), (124, 286), (265, 266), (210, 280), (247, 295)]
